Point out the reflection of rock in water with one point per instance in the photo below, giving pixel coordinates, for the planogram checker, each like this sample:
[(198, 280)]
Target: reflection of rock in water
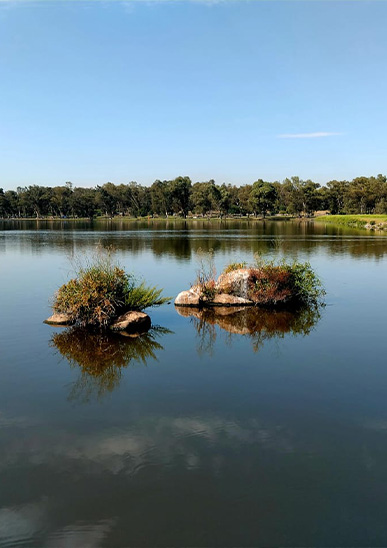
[(256, 323), (101, 357)]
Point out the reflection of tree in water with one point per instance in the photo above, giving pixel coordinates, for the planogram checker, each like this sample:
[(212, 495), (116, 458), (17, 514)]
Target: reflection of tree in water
[(101, 356), (181, 239), (258, 324)]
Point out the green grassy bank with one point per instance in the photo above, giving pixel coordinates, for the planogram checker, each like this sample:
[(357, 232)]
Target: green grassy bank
[(356, 221)]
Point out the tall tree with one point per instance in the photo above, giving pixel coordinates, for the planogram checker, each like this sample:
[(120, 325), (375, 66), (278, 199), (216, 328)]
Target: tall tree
[(83, 202), (161, 196), (310, 196), (106, 199), (262, 197), (60, 200), (180, 189)]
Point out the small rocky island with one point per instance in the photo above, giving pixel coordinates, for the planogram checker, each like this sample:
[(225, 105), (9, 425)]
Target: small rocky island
[(103, 296), (267, 285)]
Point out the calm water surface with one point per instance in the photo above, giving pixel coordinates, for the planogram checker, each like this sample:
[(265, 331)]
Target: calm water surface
[(266, 430)]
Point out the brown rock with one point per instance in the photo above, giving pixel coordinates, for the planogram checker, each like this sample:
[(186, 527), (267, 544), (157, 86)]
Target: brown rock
[(224, 299), (133, 322), (59, 319)]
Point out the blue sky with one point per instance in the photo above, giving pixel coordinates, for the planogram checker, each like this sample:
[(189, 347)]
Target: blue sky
[(116, 91)]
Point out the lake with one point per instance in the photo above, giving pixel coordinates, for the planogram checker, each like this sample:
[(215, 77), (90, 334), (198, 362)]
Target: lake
[(250, 431)]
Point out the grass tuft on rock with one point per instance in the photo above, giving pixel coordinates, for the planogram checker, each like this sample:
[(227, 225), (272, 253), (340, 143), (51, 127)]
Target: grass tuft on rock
[(101, 291)]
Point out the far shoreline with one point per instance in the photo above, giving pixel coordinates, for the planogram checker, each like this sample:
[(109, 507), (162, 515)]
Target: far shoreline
[(369, 222)]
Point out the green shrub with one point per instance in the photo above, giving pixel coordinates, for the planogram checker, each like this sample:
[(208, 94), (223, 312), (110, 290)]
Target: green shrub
[(271, 283), (307, 286), (101, 291)]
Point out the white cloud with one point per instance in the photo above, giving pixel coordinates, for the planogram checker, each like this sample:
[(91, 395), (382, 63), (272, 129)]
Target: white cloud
[(130, 449), (19, 523), (80, 536), (314, 135)]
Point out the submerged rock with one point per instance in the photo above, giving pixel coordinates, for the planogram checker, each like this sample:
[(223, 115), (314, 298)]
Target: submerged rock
[(59, 319), (132, 322)]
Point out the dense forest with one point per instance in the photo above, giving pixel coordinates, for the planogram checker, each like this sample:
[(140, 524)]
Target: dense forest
[(182, 197)]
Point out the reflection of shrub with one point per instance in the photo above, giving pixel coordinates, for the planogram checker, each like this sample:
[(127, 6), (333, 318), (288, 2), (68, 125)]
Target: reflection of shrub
[(102, 355), (259, 325), (94, 351), (101, 291)]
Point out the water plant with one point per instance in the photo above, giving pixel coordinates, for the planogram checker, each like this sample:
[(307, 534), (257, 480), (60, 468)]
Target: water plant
[(102, 290)]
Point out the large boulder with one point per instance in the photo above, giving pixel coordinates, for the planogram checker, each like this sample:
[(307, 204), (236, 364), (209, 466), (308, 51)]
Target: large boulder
[(267, 286), (132, 322), (235, 282), (192, 297), (231, 289)]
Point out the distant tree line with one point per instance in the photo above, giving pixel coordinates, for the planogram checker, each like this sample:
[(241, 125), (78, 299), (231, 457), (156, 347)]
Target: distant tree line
[(181, 197)]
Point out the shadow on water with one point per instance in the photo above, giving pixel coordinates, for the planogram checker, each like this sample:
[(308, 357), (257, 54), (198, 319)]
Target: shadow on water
[(101, 357), (258, 324)]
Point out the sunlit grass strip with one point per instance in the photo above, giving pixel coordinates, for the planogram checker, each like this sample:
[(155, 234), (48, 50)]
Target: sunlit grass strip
[(353, 221)]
